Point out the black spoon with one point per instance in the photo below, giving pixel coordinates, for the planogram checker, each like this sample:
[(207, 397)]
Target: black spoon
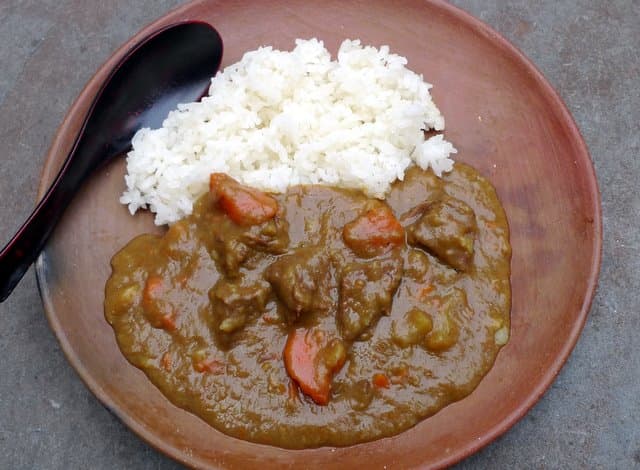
[(173, 65)]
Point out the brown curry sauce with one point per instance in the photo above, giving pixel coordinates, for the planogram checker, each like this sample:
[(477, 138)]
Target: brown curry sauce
[(319, 316)]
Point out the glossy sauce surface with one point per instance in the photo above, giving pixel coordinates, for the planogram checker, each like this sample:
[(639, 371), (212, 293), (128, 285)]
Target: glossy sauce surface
[(208, 310)]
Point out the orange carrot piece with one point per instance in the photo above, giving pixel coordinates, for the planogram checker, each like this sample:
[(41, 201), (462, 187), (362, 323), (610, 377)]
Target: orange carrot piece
[(270, 318), (374, 232), (311, 360), (491, 224), (157, 310), (243, 205), (168, 322), (152, 289), (210, 365), (381, 381), (425, 291)]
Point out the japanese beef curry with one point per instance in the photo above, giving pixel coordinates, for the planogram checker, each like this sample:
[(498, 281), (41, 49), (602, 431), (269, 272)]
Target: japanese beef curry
[(319, 316)]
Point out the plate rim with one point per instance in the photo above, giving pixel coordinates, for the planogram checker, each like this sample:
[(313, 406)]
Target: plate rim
[(582, 152)]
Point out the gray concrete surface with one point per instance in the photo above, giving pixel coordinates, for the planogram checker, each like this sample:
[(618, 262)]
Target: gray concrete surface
[(588, 49)]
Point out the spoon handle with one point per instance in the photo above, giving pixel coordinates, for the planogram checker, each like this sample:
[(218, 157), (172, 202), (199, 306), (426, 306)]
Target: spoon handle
[(172, 65), (26, 244)]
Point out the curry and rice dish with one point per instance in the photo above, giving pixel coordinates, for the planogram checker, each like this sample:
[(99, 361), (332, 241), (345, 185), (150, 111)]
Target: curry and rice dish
[(319, 314)]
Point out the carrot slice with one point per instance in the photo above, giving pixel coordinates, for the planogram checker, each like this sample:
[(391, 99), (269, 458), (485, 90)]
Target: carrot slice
[(155, 307), (381, 381), (311, 359), (168, 322), (210, 365), (243, 205), (374, 232), (152, 289), (425, 291)]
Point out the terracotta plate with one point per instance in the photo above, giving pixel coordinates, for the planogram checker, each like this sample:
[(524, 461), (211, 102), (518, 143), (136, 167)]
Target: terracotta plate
[(504, 118)]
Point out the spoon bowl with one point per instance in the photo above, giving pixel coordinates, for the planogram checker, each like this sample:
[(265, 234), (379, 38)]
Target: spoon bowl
[(170, 66)]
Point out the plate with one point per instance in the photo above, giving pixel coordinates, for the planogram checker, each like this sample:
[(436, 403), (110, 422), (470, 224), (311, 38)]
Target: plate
[(504, 118)]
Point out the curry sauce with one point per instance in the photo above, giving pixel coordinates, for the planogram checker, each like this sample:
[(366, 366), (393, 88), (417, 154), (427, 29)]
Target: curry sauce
[(319, 316)]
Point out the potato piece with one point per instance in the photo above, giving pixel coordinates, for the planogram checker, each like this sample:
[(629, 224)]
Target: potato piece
[(412, 328)]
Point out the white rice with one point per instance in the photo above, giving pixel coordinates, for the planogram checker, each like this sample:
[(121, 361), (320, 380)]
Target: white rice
[(277, 119)]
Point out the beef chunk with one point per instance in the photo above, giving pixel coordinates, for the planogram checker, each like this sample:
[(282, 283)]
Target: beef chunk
[(366, 292), (302, 281), (232, 245), (447, 230), (233, 303)]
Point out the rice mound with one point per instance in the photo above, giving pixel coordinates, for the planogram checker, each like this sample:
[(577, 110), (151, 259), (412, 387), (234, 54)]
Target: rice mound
[(277, 119)]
